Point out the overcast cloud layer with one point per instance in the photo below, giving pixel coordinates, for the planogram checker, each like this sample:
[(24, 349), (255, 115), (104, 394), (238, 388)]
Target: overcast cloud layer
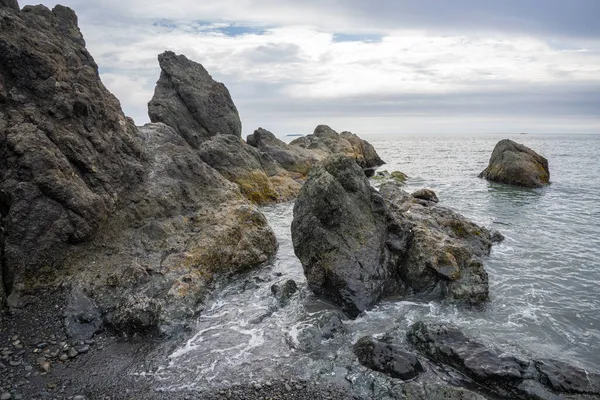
[(365, 66)]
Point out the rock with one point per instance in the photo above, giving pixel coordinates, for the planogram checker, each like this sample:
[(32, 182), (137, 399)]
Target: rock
[(5, 396), (137, 314), (72, 353), (259, 177), (358, 245), (338, 230), (447, 344), (515, 164), (10, 4), (426, 194), (387, 358), (67, 152), (190, 101), (83, 318), (396, 176), (497, 237), (504, 374), (285, 291), (325, 141), (444, 250), (126, 216), (291, 158)]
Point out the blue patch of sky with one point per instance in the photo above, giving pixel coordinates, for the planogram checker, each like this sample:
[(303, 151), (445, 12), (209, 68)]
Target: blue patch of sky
[(345, 37), (227, 29)]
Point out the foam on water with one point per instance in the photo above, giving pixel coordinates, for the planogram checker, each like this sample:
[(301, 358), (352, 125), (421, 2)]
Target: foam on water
[(544, 278)]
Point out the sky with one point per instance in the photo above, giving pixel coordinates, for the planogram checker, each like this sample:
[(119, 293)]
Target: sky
[(377, 66)]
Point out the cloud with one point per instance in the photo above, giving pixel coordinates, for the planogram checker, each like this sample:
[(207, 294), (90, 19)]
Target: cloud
[(292, 65)]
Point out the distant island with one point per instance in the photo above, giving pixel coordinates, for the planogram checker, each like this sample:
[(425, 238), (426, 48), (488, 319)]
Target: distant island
[(294, 134)]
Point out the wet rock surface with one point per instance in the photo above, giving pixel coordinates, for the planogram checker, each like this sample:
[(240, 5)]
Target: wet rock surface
[(515, 164), (504, 374), (387, 358), (358, 245)]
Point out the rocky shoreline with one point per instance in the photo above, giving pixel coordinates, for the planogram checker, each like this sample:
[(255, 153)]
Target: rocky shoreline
[(113, 238)]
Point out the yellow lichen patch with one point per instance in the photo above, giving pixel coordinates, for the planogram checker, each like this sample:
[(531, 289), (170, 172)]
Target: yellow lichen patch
[(257, 188)]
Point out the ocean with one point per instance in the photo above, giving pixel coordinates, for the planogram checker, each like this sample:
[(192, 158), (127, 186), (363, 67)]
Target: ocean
[(544, 277)]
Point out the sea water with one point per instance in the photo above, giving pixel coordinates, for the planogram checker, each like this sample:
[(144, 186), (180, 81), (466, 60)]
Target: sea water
[(544, 277)]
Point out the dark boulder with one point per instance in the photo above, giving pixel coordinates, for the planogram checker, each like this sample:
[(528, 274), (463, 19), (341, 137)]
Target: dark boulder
[(515, 164), (188, 99), (339, 231), (284, 291), (387, 358), (505, 375), (357, 245)]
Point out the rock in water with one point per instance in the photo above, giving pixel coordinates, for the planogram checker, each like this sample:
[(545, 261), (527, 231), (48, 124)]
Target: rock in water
[(292, 158), (339, 231), (188, 99), (515, 164), (325, 141), (130, 219), (387, 358), (506, 375), (357, 245)]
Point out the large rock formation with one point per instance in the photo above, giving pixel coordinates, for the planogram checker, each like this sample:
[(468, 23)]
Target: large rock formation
[(515, 164), (357, 245), (292, 158), (134, 222), (325, 141), (188, 99), (67, 152), (506, 375), (259, 177)]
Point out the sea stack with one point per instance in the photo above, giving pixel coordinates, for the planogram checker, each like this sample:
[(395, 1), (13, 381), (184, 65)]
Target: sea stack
[(515, 164)]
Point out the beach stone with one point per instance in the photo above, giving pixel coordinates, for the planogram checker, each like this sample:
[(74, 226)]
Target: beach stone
[(426, 194), (515, 164), (5, 396)]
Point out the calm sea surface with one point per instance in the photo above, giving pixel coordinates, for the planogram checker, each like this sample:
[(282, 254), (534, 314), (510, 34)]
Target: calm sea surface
[(544, 278)]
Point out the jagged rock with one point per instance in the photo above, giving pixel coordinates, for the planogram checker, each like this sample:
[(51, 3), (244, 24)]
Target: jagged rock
[(325, 141), (67, 152), (88, 201), (10, 4), (291, 158), (358, 245), (445, 249), (187, 99), (387, 358), (338, 231), (516, 164), (259, 177), (504, 374), (285, 291)]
